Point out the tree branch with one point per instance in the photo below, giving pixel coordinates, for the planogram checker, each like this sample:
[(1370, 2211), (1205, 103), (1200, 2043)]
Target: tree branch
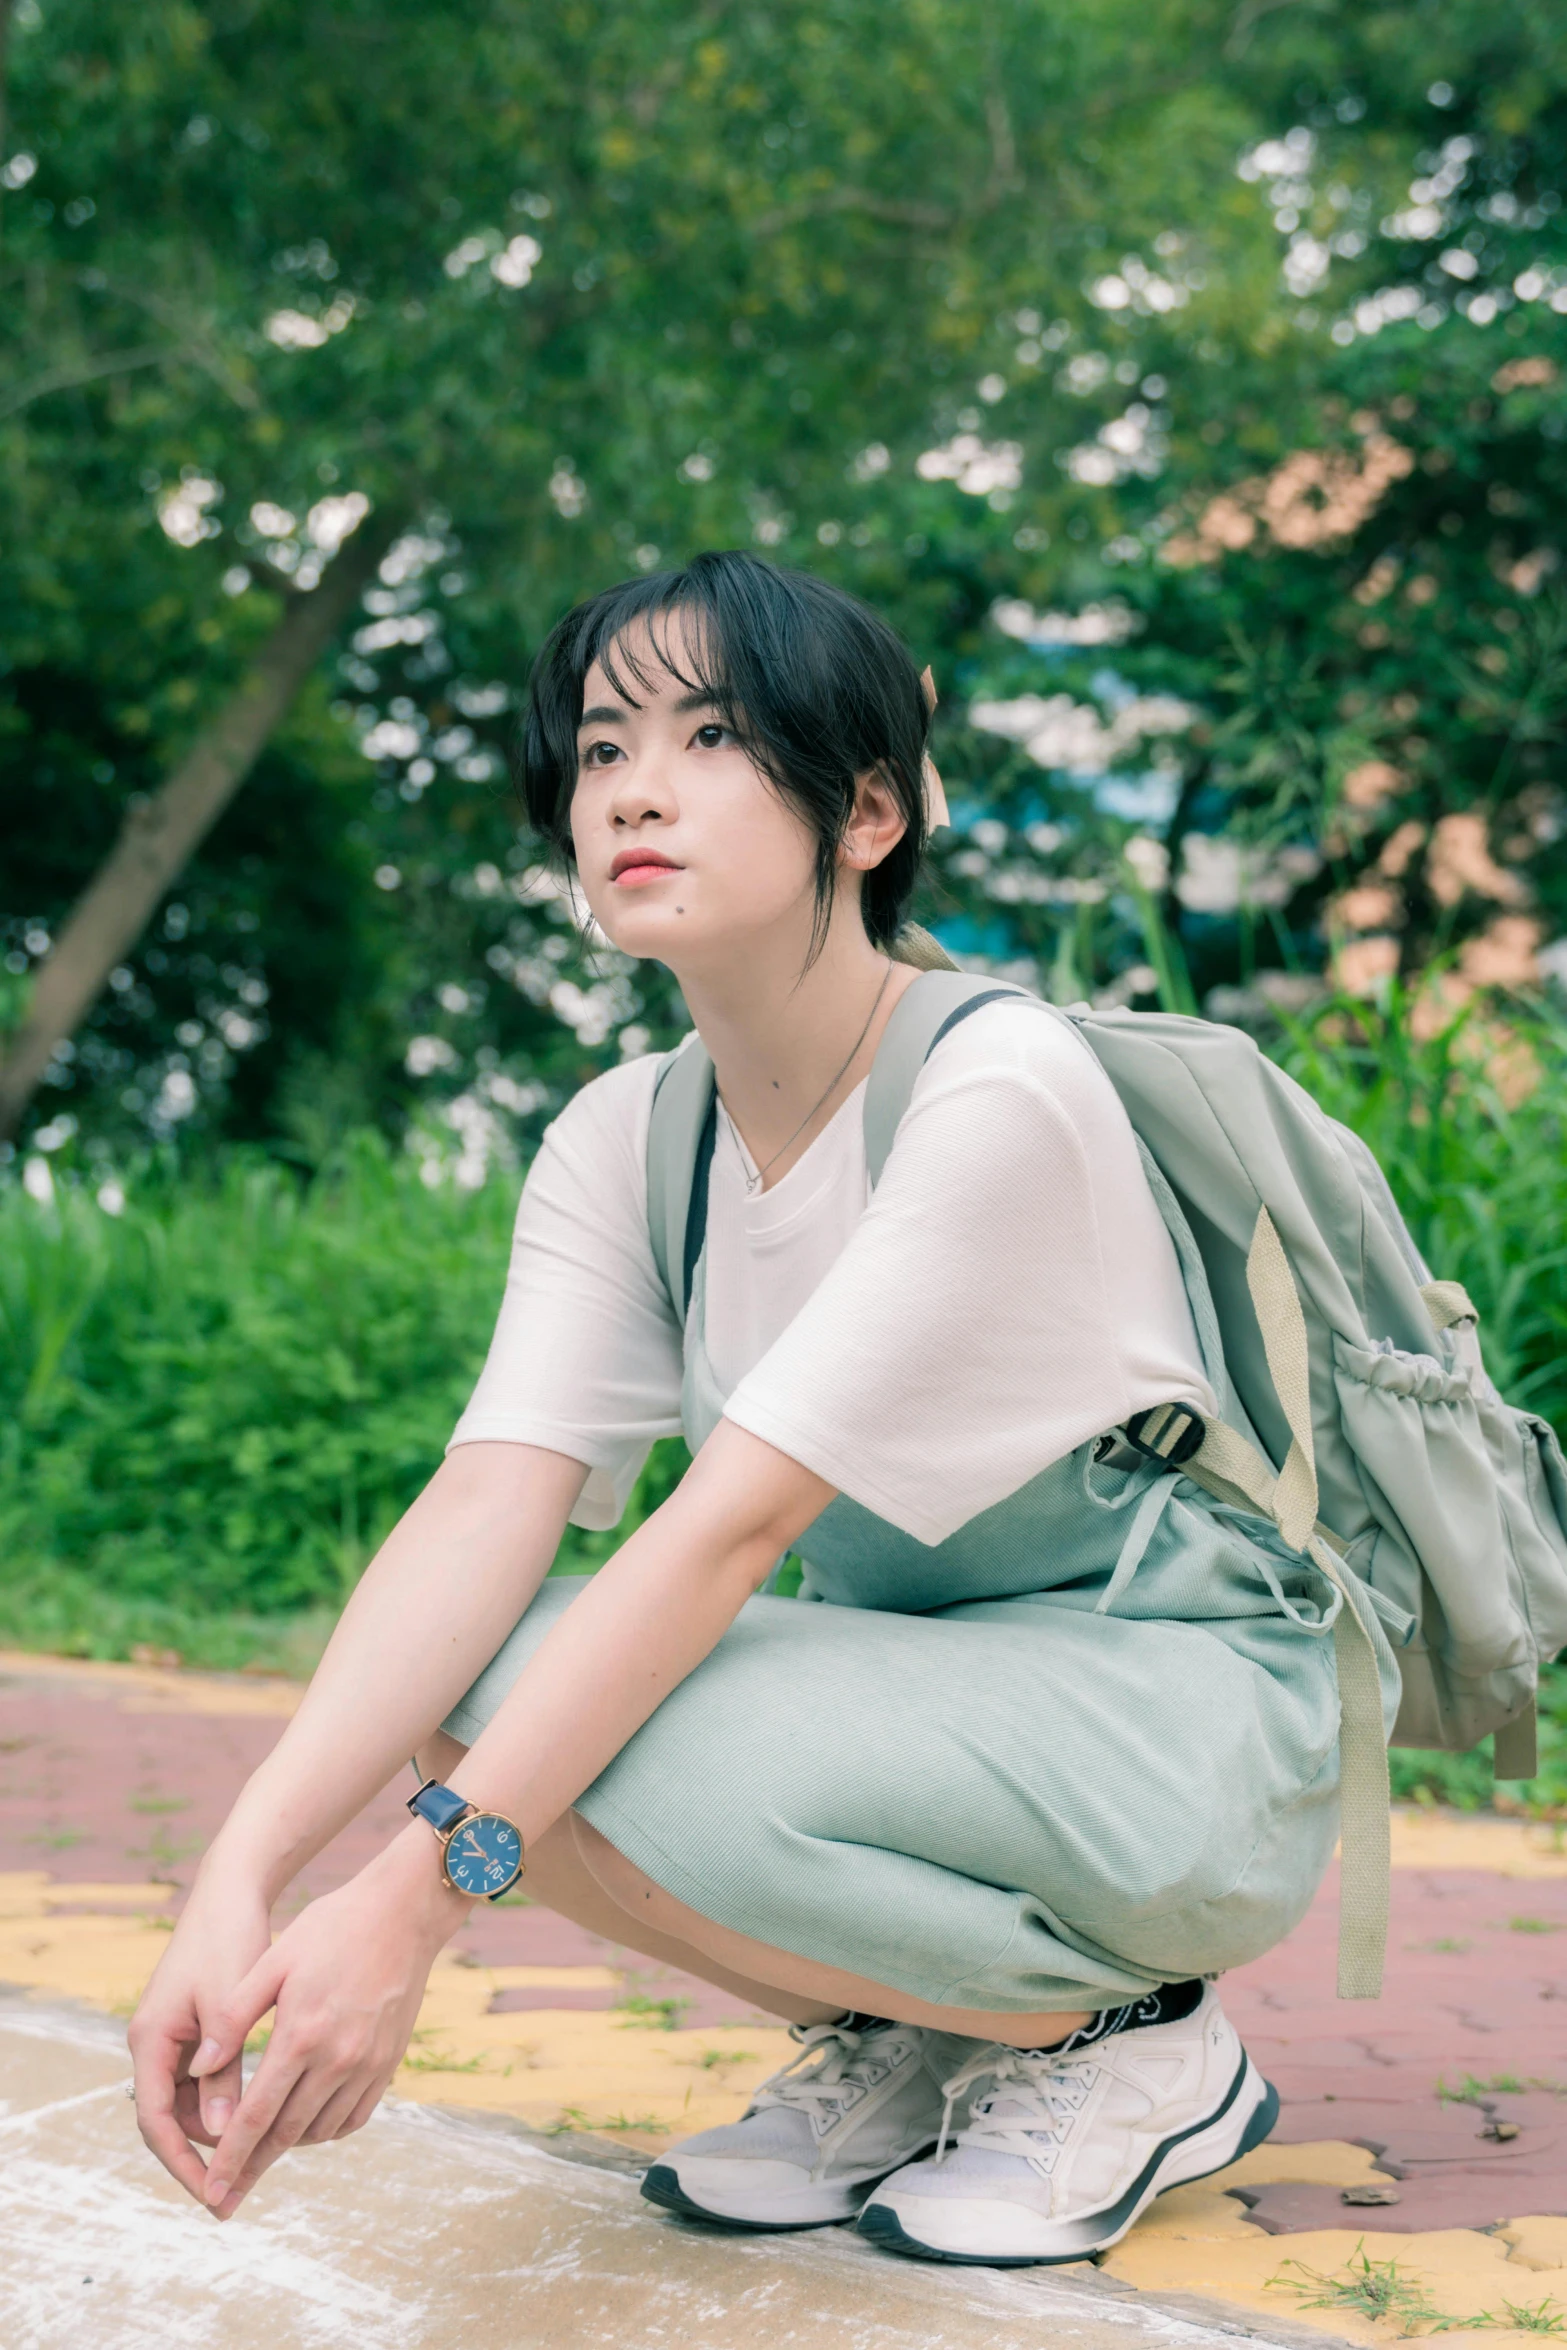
[(61, 379), (1245, 22), (157, 837), (194, 347), (900, 213)]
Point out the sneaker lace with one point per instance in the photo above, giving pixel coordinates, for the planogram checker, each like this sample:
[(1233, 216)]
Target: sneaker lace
[(834, 2068), (1036, 2099)]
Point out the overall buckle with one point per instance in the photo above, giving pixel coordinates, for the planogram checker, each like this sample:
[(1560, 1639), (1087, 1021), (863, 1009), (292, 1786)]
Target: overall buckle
[(1169, 1433)]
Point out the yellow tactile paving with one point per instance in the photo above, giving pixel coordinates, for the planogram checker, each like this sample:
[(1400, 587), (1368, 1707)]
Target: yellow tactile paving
[(159, 1688), (1537, 2243), (587, 2068), (594, 2069), (1324, 2162), (1503, 1848), (1189, 2244)]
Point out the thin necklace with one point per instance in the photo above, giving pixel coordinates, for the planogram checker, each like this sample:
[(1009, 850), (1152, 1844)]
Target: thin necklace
[(754, 1182)]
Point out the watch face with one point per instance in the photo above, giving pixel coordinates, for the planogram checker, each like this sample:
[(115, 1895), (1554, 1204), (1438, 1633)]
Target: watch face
[(484, 1854)]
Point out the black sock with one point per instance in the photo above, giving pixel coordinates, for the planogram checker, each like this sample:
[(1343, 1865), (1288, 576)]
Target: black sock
[(1170, 2004), (854, 2019)]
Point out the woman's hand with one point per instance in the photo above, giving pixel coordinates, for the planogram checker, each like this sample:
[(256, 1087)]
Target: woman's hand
[(219, 1939), (346, 1979)]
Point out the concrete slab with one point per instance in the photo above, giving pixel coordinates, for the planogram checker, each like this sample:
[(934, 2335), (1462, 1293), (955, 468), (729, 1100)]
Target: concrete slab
[(428, 2231)]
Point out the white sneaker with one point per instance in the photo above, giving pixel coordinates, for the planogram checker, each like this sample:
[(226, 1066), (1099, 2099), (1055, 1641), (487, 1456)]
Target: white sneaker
[(1062, 2153), (853, 2105)]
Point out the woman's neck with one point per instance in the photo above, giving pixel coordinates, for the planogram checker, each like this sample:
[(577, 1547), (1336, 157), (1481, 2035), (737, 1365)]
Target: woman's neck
[(784, 1046)]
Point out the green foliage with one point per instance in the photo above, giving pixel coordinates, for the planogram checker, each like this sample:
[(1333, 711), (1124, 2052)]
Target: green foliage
[(564, 289), (219, 1400), (262, 263)]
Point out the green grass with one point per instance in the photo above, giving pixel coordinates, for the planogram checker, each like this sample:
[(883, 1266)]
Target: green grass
[(213, 1406), (1381, 2289), (658, 2015), (1370, 2288)]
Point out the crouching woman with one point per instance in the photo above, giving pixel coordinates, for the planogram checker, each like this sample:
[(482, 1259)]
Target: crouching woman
[(1043, 1744)]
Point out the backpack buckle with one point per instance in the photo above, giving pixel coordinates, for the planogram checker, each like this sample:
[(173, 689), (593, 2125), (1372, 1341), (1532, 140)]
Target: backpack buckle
[(1168, 1433)]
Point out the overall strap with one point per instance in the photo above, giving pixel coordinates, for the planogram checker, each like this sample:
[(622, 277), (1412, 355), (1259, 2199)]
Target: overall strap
[(921, 1017), (681, 1135)]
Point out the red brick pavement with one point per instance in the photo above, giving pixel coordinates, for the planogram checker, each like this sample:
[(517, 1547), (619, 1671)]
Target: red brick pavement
[(94, 1786)]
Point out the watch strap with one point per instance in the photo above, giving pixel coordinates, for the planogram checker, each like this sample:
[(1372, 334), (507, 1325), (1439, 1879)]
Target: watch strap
[(441, 1806)]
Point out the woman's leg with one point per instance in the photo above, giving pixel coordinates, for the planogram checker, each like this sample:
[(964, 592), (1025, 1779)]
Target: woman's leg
[(832, 1988), (559, 1878), (578, 1873)]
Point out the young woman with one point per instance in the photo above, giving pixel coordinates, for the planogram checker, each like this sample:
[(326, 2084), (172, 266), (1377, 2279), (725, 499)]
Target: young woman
[(1055, 1741)]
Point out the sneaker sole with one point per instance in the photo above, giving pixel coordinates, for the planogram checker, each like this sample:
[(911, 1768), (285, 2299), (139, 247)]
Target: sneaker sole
[(661, 2185), (1195, 2153)]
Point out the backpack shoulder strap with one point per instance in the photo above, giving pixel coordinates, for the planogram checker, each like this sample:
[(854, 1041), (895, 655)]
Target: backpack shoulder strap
[(681, 1135), (684, 1123), (921, 1017)]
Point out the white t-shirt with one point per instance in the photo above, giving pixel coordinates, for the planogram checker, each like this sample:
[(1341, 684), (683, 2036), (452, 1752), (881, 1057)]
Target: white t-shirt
[(1007, 1292)]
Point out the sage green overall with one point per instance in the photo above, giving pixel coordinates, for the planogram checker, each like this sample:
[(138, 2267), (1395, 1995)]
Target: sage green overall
[(1086, 1744)]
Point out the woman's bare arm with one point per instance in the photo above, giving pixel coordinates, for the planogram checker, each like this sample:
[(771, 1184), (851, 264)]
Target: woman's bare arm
[(647, 1619), (346, 1977), (430, 1611)]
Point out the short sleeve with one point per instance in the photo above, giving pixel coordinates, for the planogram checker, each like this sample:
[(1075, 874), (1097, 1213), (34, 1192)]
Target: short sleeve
[(1009, 1293), (586, 1356)]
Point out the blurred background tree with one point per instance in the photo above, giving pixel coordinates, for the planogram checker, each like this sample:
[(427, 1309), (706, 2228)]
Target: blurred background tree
[(553, 298), (985, 324), (1184, 380)]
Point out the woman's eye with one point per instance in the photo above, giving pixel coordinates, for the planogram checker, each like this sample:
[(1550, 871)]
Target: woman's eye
[(600, 754), (712, 736)]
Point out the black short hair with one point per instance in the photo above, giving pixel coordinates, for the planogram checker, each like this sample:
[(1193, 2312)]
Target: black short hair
[(817, 686)]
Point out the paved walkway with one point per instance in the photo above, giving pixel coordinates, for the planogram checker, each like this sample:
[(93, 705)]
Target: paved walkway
[(1446, 2100)]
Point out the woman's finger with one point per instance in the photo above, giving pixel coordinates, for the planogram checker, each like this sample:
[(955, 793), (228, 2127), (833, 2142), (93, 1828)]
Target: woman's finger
[(260, 2104), (348, 2110), (321, 2084), (365, 2108), (315, 2087), (218, 2091), (187, 2112), (226, 2027), (160, 2052)]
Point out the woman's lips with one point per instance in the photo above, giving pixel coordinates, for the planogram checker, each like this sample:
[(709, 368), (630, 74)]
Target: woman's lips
[(635, 876)]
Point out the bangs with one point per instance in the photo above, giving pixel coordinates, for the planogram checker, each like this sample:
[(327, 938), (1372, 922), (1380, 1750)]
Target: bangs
[(693, 666)]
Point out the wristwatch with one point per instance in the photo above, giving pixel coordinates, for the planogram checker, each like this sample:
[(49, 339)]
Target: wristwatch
[(481, 1851)]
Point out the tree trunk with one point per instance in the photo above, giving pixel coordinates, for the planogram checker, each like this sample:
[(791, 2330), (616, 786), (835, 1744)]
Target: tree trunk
[(158, 835)]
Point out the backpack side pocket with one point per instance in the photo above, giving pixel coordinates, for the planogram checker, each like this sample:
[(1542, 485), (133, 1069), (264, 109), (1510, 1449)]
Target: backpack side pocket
[(1434, 1493)]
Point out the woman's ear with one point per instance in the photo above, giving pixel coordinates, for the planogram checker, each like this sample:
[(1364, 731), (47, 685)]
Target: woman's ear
[(876, 825)]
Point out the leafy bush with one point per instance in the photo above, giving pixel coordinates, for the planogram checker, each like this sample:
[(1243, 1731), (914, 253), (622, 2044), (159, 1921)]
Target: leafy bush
[(220, 1399)]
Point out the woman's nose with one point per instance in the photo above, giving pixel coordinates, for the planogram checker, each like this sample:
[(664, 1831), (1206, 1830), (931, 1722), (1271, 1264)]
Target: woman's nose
[(640, 796)]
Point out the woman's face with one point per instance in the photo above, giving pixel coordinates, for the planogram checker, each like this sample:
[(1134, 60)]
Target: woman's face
[(685, 851)]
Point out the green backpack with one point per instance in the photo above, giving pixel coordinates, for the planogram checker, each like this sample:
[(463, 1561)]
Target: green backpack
[(1355, 1411)]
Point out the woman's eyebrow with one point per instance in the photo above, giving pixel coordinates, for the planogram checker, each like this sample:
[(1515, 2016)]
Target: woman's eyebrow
[(603, 714)]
